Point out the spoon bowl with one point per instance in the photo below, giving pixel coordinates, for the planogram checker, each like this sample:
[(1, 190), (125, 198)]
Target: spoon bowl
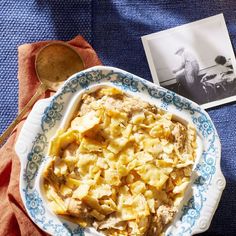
[(55, 63)]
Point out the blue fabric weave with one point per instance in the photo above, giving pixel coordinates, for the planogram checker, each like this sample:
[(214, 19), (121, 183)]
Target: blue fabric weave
[(30, 21), (114, 28)]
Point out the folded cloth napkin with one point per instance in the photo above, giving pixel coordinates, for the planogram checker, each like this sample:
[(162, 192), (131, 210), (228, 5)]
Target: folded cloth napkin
[(13, 218)]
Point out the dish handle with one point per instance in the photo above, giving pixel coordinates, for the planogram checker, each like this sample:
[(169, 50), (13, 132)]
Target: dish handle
[(211, 204), (30, 129)]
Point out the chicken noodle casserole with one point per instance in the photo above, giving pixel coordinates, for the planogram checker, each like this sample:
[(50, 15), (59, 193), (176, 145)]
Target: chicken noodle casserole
[(122, 166)]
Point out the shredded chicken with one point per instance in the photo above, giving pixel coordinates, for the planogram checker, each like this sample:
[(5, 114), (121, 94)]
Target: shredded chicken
[(179, 133), (161, 219), (76, 208), (129, 105)]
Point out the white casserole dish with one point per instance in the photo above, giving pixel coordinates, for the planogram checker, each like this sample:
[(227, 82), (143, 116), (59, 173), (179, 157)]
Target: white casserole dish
[(48, 115)]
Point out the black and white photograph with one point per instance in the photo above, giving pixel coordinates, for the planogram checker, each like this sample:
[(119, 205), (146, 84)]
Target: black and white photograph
[(195, 60)]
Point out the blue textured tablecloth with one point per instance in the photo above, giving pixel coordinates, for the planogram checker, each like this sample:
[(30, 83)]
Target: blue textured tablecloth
[(114, 28)]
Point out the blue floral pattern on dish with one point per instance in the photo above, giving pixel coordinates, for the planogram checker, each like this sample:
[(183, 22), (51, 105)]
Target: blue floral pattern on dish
[(53, 114)]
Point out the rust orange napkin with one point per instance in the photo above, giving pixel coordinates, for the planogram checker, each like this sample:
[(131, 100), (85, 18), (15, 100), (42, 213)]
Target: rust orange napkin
[(13, 217)]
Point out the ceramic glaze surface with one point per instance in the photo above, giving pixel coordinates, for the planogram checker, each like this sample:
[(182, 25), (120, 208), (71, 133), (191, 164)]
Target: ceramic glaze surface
[(47, 115)]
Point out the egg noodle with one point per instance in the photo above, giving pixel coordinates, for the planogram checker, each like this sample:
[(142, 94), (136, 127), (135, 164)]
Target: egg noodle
[(122, 166)]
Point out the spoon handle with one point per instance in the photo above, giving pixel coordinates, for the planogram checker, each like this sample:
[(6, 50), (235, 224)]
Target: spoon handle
[(42, 88)]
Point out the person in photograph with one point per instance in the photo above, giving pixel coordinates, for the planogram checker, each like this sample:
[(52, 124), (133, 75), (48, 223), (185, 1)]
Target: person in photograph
[(187, 73), (227, 74), (225, 65), (221, 60), (219, 83)]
